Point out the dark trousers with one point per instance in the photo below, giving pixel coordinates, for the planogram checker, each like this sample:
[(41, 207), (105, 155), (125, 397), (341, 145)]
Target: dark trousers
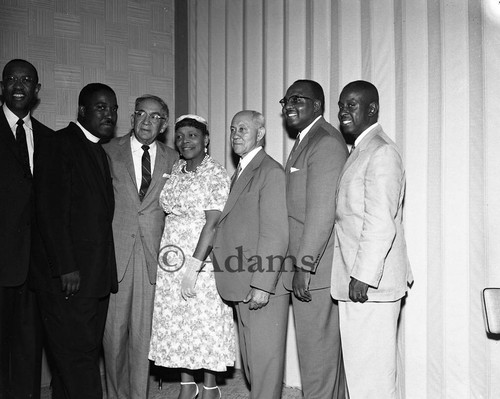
[(20, 343), (74, 328)]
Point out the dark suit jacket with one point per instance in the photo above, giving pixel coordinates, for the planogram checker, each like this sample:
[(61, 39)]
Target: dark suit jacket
[(134, 219), (312, 172), (16, 203), (255, 219), (74, 206)]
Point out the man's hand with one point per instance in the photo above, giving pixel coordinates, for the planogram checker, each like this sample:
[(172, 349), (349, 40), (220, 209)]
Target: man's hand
[(70, 283), (257, 299), (300, 284), (358, 290)]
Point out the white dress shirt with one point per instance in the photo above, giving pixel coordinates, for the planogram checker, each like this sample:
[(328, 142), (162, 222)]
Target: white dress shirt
[(137, 152), (28, 128), (248, 158)]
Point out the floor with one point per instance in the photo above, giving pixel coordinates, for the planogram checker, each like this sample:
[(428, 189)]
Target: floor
[(232, 385)]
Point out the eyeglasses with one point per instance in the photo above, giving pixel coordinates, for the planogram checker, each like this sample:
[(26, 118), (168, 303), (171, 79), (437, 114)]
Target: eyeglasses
[(25, 80), (294, 100), (155, 117)]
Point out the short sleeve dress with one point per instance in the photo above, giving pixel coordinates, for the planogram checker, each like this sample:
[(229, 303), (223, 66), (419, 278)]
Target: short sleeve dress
[(197, 333)]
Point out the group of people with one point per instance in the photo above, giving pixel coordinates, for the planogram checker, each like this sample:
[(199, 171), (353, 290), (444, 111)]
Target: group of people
[(149, 252)]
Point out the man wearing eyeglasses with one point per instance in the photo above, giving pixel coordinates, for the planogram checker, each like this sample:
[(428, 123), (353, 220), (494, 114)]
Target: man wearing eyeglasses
[(21, 136), (312, 171), (139, 167)]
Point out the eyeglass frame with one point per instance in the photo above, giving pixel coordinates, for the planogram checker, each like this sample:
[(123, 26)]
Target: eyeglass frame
[(284, 101), (154, 117), (25, 80)]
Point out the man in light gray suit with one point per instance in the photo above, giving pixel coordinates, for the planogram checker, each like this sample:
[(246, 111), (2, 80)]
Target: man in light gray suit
[(371, 271), (139, 165)]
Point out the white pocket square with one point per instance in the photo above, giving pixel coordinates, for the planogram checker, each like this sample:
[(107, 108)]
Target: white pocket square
[(292, 169)]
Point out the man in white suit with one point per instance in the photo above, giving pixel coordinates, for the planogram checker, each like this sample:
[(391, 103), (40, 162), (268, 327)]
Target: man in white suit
[(371, 271), (139, 164)]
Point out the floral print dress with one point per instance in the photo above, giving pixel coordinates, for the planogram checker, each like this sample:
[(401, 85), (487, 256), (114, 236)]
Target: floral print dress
[(197, 333)]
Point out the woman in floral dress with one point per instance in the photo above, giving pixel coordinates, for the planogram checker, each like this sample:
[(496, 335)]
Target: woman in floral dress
[(192, 327)]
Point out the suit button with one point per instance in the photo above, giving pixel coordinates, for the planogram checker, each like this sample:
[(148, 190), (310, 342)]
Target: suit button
[(132, 235), (140, 213)]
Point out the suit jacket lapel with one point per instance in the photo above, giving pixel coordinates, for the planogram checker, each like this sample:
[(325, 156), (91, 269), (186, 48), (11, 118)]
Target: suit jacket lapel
[(7, 137), (161, 159), (303, 144), (357, 152), (103, 180), (242, 182), (126, 157)]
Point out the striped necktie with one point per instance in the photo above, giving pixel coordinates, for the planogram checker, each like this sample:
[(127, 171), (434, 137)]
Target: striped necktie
[(146, 172), (235, 176)]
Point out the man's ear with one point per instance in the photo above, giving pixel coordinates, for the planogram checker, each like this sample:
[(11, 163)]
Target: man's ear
[(164, 126), (261, 133), (317, 106), (81, 111), (373, 109)]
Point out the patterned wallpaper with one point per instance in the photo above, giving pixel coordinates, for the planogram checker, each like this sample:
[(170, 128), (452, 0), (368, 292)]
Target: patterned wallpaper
[(128, 45)]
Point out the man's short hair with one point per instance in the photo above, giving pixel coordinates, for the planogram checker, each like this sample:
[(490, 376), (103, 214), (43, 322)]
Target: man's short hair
[(90, 89), (317, 90), (152, 97), (258, 119), (368, 89)]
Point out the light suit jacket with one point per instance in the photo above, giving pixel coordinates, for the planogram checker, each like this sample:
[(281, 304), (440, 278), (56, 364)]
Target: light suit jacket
[(255, 219), (134, 219), (369, 238), (312, 172)]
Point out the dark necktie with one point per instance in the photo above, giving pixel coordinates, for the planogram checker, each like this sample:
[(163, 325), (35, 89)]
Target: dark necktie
[(235, 176), (22, 146), (352, 149), (146, 172)]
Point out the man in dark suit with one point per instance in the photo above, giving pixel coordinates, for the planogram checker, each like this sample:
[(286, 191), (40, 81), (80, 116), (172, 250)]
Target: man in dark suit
[(20, 137), (139, 164), (249, 247), (76, 269), (312, 171)]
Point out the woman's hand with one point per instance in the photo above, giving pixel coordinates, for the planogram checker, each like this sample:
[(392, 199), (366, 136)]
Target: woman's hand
[(192, 267)]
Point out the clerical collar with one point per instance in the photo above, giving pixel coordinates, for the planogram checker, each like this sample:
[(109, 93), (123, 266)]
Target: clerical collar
[(90, 136)]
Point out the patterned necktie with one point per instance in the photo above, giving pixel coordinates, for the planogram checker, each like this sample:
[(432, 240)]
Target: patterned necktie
[(146, 172), (235, 176), (22, 145)]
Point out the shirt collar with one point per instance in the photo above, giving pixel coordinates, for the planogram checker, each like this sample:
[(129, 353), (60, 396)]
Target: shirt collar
[(90, 136), (303, 133), (13, 118), (248, 158), (136, 145), (363, 135)]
